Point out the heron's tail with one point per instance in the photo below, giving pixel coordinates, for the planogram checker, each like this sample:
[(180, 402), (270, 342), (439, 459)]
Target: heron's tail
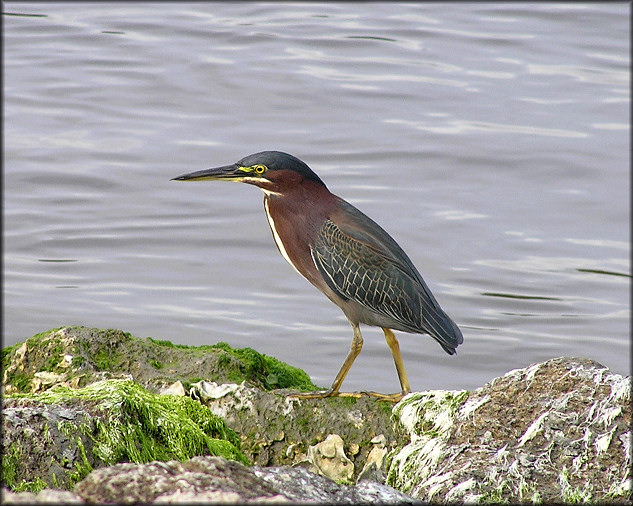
[(444, 330)]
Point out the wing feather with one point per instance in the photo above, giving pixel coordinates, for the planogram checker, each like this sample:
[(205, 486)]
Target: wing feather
[(376, 273)]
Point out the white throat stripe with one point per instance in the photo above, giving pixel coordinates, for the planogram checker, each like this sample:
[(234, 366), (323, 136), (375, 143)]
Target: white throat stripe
[(278, 242)]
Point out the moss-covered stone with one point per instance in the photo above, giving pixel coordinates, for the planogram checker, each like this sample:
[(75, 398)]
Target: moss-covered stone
[(102, 424), (78, 356), (279, 430), (265, 371), (557, 431)]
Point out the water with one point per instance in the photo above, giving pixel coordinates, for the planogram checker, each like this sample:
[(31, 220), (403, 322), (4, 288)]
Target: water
[(490, 140)]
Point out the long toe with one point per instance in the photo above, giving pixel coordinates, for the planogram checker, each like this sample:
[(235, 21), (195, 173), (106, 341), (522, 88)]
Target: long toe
[(319, 394), (397, 397)]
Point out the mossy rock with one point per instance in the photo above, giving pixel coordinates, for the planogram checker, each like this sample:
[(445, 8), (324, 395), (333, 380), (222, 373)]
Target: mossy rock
[(554, 432), (78, 356), (55, 438)]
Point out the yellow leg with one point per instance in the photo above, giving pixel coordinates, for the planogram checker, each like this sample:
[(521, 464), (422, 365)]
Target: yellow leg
[(357, 345), (392, 342)]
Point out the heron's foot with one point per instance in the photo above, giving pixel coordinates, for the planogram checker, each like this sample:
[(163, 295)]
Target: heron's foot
[(397, 397), (319, 394), (322, 394)]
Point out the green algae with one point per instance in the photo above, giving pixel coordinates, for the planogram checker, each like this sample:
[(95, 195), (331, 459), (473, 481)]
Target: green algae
[(11, 458), (265, 371), (20, 381), (140, 426), (81, 468), (8, 351), (81, 355), (34, 486), (130, 424)]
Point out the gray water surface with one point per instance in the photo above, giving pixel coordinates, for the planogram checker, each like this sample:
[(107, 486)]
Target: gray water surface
[(490, 140)]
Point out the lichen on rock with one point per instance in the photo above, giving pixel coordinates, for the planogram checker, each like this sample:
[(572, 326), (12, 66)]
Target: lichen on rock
[(557, 431)]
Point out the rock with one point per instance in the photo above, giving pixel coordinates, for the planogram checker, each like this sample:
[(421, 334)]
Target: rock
[(557, 431), (57, 437), (78, 356), (278, 430), (203, 479), (211, 480), (328, 459), (76, 400), (274, 429), (46, 445), (176, 388), (375, 463), (50, 496), (300, 485)]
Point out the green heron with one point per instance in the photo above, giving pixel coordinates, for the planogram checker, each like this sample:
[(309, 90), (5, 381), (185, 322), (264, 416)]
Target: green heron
[(345, 254)]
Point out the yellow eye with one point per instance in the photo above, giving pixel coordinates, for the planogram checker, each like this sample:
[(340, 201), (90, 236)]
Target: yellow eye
[(260, 169)]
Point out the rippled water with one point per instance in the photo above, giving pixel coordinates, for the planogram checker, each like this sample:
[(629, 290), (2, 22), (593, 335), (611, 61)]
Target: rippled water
[(491, 141)]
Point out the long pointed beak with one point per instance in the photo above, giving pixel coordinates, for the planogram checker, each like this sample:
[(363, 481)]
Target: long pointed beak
[(226, 173)]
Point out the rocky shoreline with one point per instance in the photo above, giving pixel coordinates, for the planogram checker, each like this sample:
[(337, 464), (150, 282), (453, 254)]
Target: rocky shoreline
[(101, 416)]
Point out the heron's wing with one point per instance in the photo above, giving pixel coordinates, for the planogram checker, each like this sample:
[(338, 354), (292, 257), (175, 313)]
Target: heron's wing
[(366, 265)]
